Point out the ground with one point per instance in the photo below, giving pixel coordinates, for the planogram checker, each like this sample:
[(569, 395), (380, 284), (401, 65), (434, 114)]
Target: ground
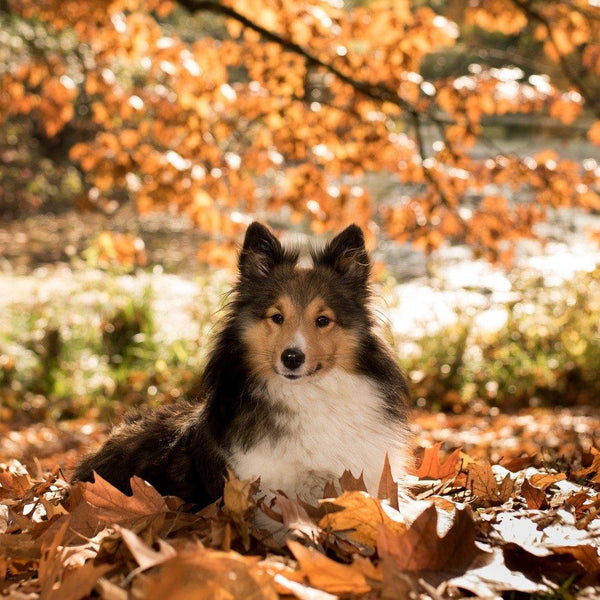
[(513, 514)]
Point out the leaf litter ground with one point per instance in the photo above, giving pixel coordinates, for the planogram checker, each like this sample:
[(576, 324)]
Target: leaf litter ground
[(498, 506)]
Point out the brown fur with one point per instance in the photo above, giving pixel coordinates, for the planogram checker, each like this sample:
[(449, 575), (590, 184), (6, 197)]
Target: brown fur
[(326, 347)]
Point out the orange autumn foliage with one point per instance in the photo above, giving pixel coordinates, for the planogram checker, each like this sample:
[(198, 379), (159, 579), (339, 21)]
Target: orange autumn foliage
[(282, 107)]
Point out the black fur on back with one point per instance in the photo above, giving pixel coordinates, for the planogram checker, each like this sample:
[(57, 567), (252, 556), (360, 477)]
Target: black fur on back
[(183, 449)]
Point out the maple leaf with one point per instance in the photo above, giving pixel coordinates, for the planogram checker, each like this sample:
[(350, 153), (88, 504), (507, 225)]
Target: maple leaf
[(420, 547), (350, 483), (113, 505), (432, 467), (533, 495), (361, 518), (483, 484)]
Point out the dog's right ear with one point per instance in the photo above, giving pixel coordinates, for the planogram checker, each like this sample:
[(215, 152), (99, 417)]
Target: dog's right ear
[(260, 253)]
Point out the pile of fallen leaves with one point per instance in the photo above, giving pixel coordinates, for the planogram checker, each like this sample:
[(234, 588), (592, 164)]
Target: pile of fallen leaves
[(460, 526)]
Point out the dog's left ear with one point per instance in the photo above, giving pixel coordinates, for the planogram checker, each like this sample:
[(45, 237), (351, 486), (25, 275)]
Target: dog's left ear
[(346, 254), (260, 253)]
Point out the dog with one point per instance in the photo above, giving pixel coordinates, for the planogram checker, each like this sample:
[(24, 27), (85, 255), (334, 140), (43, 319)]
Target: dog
[(298, 387)]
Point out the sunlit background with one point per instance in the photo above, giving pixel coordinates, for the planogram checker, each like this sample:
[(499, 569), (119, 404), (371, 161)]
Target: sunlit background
[(138, 138)]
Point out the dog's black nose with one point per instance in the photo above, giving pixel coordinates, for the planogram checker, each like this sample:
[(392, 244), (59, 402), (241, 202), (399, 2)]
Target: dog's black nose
[(292, 358)]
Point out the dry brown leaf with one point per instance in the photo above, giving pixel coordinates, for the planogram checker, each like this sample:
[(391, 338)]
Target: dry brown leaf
[(420, 548), (326, 574), (239, 503), (295, 517), (518, 463), (361, 518), (592, 473), (145, 556), (534, 496), (545, 480), (77, 583), (483, 484), (14, 484), (114, 506), (585, 554), (350, 483), (60, 583), (388, 488), (329, 490)]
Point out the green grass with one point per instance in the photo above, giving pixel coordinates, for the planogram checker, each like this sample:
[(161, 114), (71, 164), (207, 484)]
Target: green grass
[(547, 352)]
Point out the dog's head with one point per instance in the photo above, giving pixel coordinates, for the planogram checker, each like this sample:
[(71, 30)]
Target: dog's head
[(299, 322)]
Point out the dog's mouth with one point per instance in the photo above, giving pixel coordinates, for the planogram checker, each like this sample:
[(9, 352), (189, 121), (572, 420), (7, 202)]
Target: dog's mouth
[(295, 376)]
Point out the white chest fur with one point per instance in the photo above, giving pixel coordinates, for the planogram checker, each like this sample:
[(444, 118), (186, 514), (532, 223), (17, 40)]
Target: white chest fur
[(334, 422)]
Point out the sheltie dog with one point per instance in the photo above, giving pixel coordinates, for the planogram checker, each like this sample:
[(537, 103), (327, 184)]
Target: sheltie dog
[(298, 387)]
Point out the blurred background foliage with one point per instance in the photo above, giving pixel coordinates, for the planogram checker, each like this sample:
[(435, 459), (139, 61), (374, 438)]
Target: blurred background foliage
[(139, 137)]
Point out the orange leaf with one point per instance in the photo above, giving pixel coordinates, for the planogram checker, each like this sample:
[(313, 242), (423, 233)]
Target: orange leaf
[(361, 518), (113, 506), (431, 466), (594, 133), (326, 574)]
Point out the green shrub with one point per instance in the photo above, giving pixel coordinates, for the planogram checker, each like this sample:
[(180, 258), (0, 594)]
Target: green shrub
[(547, 352)]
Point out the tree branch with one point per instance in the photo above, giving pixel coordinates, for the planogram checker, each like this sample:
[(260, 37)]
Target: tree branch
[(378, 92)]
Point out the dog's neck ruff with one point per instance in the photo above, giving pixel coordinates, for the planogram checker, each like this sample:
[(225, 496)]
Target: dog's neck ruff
[(326, 424)]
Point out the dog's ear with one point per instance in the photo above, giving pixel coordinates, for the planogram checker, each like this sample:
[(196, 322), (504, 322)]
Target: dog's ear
[(260, 253), (346, 254)]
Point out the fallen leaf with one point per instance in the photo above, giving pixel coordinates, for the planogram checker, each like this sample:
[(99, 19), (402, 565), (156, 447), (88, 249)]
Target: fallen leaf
[(239, 503), (432, 467), (205, 573), (492, 576), (592, 472), (388, 488), (326, 574), (545, 480), (113, 506), (13, 483), (145, 556), (329, 490), (518, 463), (58, 582), (286, 586), (295, 518), (77, 583), (483, 484), (350, 483), (361, 518), (420, 548), (534, 496)]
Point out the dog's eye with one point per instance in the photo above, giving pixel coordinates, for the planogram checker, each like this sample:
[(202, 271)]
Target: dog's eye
[(322, 321), (277, 318)]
